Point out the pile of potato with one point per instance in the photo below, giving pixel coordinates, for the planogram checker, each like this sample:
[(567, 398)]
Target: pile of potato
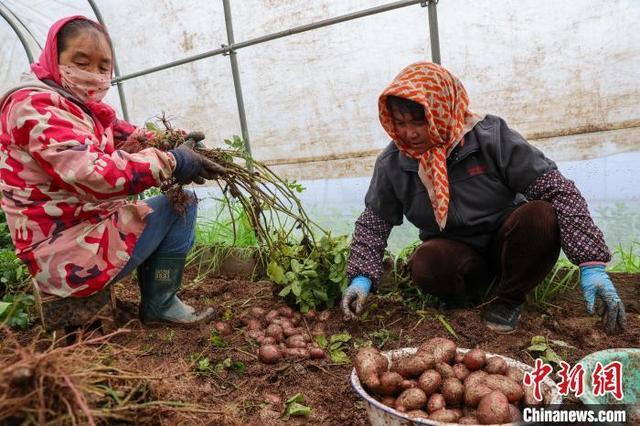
[(284, 333), (440, 384)]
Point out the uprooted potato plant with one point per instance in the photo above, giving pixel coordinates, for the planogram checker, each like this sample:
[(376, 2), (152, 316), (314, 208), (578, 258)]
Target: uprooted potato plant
[(45, 382)]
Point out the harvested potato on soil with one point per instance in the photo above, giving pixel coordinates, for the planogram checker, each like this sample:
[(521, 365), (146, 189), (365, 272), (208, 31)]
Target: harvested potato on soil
[(493, 408), (412, 366), (474, 359), (430, 381), (474, 392), (411, 399), (298, 353), (418, 414), (389, 383), (442, 349), (269, 354), (286, 312), (257, 313), (445, 415), (436, 402), (316, 353), (452, 391), (271, 315), (445, 370), (496, 365), (253, 325), (475, 377), (515, 415), (505, 385), (408, 383), (370, 364), (223, 328), (461, 371)]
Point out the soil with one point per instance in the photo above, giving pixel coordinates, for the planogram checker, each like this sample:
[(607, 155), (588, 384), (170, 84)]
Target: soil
[(257, 396)]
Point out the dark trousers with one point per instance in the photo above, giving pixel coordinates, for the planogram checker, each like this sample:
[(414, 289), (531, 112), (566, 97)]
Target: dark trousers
[(523, 252)]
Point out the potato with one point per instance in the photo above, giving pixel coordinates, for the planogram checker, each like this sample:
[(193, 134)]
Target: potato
[(436, 402), (253, 325), (370, 363), (468, 420), (300, 353), (412, 366), (529, 398), (324, 316), (496, 365), (268, 340), (468, 411), (508, 387), (275, 331), (445, 370), (271, 315), (417, 414), (514, 414), (223, 328), (474, 393), (310, 315), (430, 381), (515, 374), (459, 357), (493, 408), (408, 383), (475, 377), (389, 401), (257, 313), (269, 354), (286, 312), (291, 331), (316, 353), (389, 383), (296, 341), (474, 359), (445, 416), (256, 334), (442, 349), (460, 371), (452, 391), (296, 319), (318, 329), (411, 399)]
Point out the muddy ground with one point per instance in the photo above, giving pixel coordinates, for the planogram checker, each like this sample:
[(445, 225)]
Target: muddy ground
[(257, 395)]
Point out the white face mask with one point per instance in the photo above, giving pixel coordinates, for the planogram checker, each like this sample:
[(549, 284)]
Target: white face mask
[(86, 86)]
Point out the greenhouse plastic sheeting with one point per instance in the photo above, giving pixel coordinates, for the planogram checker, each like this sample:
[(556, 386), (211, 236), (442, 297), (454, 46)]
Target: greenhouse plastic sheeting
[(565, 74)]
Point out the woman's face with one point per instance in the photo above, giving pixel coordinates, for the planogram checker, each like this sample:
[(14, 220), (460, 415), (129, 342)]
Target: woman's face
[(413, 132), (89, 50)]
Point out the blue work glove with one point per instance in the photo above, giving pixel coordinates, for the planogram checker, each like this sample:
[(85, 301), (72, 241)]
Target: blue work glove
[(192, 166), (595, 282), (354, 297)]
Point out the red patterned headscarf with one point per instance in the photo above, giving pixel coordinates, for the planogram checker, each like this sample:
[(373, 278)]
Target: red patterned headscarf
[(447, 114), (47, 68)]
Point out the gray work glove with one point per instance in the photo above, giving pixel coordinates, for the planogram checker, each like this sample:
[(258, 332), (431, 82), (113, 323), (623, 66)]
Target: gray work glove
[(192, 167)]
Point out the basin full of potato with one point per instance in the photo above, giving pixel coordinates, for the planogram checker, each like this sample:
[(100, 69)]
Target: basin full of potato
[(438, 382)]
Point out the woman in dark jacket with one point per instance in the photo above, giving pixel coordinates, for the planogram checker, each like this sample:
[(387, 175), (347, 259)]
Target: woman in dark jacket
[(487, 204)]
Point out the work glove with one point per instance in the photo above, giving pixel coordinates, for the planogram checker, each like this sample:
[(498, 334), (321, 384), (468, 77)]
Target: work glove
[(354, 297), (191, 166), (595, 283)]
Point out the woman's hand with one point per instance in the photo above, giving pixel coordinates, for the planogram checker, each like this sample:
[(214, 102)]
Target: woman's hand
[(192, 166), (354, 297), (595, 283)]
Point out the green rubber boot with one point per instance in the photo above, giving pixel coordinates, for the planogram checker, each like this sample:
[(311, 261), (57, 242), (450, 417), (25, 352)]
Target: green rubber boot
[(159, 278)]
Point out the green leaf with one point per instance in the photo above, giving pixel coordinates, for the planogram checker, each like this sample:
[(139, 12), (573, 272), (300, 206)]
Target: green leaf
[(537, 348), (342, 337), (296, 398), (217, 341), (296, 288), (339, 357), (276, 273), (321, 340), (285, 291), (3, 307), (298, 410), (295, 266)]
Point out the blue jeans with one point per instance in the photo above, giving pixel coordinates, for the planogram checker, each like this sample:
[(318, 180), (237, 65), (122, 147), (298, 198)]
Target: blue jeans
[(165, 232)]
